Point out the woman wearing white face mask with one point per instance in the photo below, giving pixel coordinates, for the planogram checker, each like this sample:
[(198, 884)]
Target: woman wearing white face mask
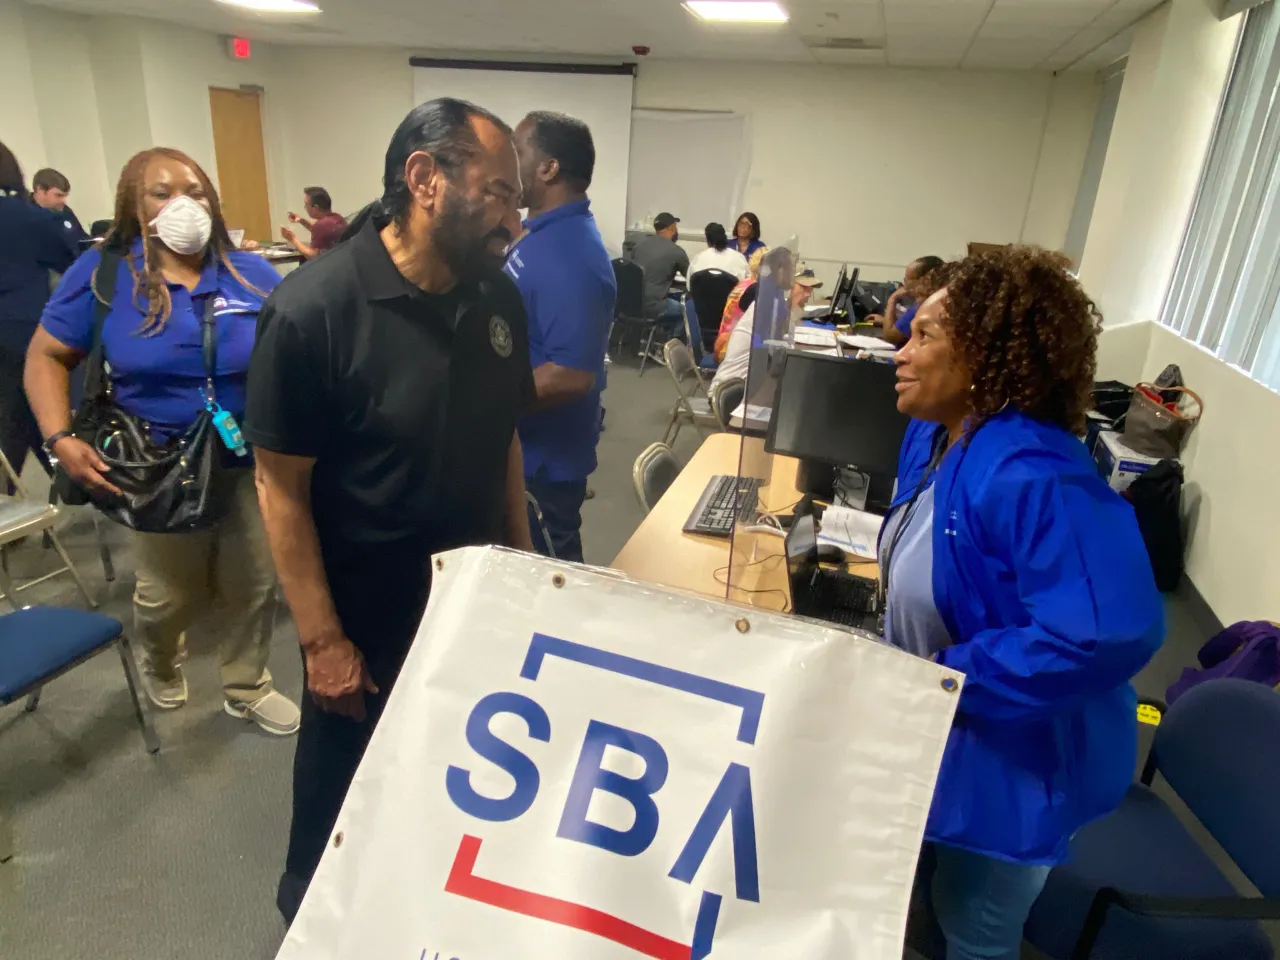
[(177, 262)]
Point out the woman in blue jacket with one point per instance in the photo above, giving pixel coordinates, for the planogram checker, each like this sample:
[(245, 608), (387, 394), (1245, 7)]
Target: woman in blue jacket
[(1007, 557)]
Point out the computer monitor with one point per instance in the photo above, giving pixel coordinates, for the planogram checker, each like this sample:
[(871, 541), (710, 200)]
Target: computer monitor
[(840, 412), (847, 295), (838, 291)]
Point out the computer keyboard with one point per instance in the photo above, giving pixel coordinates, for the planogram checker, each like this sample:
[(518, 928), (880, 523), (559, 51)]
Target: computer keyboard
[(837, 597), (715, 511)]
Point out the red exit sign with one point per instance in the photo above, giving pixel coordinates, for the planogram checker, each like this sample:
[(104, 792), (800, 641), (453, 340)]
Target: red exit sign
[(239, 48)]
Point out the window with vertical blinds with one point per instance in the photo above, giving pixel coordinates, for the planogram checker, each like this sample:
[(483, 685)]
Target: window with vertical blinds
[(1225, 290)]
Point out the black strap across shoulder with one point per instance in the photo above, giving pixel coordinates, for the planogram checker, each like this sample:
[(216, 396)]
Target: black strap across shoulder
[(104, 290)]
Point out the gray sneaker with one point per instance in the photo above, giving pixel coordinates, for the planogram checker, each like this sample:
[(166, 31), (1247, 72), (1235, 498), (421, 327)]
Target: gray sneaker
[(274, 713), (167, 693)]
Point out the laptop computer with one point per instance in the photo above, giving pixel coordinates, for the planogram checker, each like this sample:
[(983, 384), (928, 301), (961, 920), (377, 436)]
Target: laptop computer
[(826, 592)]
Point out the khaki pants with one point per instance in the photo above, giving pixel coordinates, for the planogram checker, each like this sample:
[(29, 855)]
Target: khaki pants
[(180, 575)]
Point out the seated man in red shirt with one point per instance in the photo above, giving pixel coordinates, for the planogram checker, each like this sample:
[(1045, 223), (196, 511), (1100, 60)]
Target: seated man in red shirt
[(326, 226)]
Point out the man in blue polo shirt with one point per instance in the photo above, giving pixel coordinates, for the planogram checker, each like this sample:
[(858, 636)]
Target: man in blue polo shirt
[(566, 279)]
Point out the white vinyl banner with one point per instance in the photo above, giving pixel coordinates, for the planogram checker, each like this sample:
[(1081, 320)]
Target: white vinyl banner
[(576, 765)]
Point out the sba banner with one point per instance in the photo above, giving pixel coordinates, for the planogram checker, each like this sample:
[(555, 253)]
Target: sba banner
[(576, 766)]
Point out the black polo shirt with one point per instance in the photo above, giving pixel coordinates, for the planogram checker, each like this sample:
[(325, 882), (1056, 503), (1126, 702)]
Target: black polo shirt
[(407, 400)]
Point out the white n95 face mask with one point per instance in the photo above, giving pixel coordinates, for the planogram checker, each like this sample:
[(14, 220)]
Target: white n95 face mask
[(183, 225)]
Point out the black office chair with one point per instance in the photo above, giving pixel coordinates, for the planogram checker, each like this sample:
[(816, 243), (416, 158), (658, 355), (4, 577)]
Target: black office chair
[(1139, 884), (710, 291), (99, 228)]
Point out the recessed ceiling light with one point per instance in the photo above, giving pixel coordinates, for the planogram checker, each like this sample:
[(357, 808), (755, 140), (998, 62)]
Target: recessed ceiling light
[(274, 6), (738, 11)]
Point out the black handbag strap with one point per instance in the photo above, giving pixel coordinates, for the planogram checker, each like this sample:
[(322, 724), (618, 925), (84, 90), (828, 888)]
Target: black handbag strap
[(104, 289)]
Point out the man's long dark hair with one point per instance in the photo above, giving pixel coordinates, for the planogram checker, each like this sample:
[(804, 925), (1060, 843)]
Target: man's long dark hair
[(440, 127)]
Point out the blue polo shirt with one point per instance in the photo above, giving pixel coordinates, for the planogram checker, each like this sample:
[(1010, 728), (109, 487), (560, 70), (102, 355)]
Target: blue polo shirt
[(160, 377), (566, 279), (32, 243), (903, 323)]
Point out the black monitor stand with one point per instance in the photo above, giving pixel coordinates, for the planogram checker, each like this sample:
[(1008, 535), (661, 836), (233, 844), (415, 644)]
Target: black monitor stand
[(816, 480)]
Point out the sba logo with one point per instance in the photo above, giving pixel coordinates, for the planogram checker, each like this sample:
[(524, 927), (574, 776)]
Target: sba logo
[(731, 800)]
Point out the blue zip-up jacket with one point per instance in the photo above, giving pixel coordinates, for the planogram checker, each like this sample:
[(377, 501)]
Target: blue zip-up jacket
[(1042, 580)]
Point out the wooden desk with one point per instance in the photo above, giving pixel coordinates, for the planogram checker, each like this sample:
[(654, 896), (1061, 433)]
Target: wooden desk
[(661, 552)]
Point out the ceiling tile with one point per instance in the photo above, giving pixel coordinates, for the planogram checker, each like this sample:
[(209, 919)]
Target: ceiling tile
[(874, 58), (862, 20), (934, 33), (1105, 55), (939, 14), (1054, 14), (988, 54)]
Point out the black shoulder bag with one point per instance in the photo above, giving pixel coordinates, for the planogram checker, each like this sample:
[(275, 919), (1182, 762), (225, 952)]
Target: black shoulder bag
[(167, 488)]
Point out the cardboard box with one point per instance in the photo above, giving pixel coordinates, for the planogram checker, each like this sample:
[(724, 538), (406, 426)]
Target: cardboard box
[(1118, 464)]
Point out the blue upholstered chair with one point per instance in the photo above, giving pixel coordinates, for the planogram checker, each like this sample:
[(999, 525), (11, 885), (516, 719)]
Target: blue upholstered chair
[(1138, 884), (39, 644)]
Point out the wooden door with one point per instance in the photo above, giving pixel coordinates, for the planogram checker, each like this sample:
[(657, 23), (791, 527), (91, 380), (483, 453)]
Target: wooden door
[(242, 162)]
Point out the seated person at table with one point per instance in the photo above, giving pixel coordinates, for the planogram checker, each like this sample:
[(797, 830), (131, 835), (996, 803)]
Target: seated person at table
[(737, 356), (662, 258), (740, 297), (325, 226), (898, 312), (718, 256), (1007, 558), (746, 235)]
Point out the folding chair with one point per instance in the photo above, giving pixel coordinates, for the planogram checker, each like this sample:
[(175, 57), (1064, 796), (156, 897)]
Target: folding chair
[(704, 363), (21, 517), (654, 471), (725, 395), (688, 407), (536, 510), (40, 644)]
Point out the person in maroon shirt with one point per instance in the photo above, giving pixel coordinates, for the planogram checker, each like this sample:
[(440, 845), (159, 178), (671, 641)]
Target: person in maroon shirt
[(325, 226)]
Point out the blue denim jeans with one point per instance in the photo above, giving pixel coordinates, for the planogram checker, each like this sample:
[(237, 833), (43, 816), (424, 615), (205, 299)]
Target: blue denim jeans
[(671, 310), (982, 903)]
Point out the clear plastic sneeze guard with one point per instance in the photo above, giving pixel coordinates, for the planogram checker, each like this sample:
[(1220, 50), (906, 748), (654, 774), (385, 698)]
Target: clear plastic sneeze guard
[(757, 559)]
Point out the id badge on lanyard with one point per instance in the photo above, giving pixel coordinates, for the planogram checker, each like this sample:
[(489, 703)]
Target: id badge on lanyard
[(223, 421)]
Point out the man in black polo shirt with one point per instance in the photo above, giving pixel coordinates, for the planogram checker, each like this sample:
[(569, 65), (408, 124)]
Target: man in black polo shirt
[(384, 391)]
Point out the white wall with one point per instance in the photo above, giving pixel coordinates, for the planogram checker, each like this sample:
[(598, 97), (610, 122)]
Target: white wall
[(332, 115), (882, 166), (179, 66), (115, 54), (1177, 68), (68, 107), (1231, 462), (824, 167), (19, 117), (1068, 126), (1173, 84)]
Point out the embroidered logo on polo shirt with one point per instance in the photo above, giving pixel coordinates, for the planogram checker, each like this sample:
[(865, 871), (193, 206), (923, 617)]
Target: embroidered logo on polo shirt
[(500, 336)]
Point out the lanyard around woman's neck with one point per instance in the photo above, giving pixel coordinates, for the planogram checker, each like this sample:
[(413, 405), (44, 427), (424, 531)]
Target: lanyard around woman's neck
[(940, 447)]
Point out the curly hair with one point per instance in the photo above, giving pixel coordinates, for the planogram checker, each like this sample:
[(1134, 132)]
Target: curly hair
[(1027, 332)]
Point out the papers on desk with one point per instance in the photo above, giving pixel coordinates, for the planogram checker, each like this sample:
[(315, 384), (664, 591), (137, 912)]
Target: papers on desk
[(853, 531), (814, 337), (755, 414), (860, 341)]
